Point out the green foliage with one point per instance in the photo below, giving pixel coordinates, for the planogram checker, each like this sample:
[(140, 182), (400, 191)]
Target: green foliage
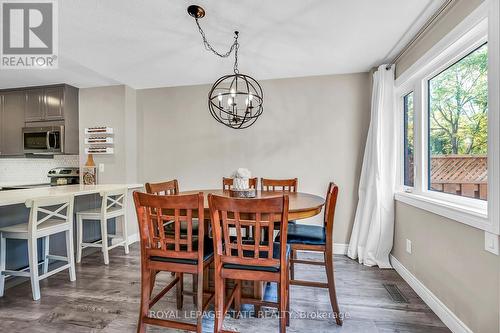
[(459, 107)]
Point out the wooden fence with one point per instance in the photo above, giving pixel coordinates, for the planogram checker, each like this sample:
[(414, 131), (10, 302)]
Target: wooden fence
[(465, 175)]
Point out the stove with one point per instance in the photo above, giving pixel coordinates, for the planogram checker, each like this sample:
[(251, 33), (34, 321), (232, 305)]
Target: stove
[(64, 176)]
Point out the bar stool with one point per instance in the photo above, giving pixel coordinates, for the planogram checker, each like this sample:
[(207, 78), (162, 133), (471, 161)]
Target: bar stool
[(112, 206), (48, 216)]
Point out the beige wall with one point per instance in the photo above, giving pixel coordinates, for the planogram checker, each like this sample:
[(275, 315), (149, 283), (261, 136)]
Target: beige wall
[(448, 257), (446, 23), (113, 106), (312, 128)]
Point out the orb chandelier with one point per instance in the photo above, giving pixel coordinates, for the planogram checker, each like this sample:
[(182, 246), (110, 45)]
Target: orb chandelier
[(235, 100)]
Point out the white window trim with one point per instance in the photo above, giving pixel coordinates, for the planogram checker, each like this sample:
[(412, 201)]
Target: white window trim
[(479, 27)]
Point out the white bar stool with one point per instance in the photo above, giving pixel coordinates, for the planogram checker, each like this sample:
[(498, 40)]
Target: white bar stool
[(48, 216), (113, 205)]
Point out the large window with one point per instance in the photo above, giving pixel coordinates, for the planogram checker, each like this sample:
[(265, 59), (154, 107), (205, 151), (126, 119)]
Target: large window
[(449, 107), (458, 127), (409, 145)]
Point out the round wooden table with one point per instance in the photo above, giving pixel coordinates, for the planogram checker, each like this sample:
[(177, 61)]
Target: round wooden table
[(301, 205)]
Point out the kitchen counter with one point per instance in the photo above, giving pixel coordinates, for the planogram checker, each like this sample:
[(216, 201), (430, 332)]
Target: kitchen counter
[(14, 197), (21, 183)]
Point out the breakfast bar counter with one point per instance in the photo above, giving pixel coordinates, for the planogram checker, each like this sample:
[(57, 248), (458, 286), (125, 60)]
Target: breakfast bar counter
[(14, 197), (14, 211)]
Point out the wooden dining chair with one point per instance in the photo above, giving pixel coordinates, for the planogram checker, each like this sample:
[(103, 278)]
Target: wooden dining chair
[(170, 187), (317, 239), (228, 182), (279, 185), (240, 259), (180, 253)]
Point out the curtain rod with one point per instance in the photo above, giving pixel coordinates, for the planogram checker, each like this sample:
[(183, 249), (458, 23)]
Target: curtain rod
[(444, 7)]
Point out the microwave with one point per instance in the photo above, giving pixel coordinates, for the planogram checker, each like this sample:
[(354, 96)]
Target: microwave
[(43, 140)]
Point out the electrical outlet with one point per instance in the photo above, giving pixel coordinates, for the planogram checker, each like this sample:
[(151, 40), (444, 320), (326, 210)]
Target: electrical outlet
[(408, 246), (491, 243), (101, 167)]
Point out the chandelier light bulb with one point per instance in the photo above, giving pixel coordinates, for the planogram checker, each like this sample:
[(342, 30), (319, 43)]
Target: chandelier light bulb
[(233, 93), (219, 97), (229, 101), (250, 96)]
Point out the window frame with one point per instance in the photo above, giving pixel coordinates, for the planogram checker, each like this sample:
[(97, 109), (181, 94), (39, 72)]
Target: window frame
[(474, 31), (404, 112)]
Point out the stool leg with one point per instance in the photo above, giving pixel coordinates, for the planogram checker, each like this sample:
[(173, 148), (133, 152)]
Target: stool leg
[(195, 289), (79, 238), (331, 286), (33, 266), (125, 233), (70, 254), (2, 264), (46, 246), (104, 243), (219, 302), (282, 305), (180, 291)]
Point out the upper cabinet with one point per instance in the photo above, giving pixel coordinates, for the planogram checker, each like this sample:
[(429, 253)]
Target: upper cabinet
[(33, 109), (12, 121), (55, 105), (46, 104)]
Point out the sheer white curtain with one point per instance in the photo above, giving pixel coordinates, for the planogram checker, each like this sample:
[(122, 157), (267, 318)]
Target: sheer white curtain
[(373, 230)]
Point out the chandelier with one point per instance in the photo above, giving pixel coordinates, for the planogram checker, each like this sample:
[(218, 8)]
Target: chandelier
[(235, 100)]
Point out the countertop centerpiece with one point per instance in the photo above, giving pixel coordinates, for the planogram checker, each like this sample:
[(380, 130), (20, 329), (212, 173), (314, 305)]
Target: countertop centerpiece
[(241, 187)]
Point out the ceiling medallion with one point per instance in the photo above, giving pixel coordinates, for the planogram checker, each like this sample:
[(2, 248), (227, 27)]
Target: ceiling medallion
[(235, 100)]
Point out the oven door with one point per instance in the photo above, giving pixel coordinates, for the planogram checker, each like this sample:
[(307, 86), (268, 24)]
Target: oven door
[(43, 140)]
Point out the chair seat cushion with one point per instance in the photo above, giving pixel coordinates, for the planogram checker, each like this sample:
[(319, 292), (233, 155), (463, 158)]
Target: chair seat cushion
[(305, 234), (262, 254), (208, 252)]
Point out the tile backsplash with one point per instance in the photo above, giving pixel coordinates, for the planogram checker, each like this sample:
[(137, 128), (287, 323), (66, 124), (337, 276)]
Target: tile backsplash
[(32, 170)]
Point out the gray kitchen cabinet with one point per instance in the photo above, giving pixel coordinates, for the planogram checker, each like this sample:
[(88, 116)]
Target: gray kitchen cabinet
[(43, 106), (54, 97), (12, 114), (34, 105), (45, 103)]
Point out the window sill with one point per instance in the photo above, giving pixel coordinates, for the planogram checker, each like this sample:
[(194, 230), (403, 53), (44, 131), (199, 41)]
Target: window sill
[(473, 216)]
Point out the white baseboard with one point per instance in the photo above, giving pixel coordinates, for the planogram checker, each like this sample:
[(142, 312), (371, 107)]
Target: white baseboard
[(340, 248), (441, 310), (133, 239)]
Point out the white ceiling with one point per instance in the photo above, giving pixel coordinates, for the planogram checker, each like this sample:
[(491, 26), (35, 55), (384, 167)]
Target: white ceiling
[(155, 43)]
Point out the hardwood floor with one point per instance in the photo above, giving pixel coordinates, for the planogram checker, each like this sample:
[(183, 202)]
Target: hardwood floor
[(106, 299)]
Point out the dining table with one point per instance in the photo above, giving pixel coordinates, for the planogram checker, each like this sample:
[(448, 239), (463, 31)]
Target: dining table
[(301, 206)]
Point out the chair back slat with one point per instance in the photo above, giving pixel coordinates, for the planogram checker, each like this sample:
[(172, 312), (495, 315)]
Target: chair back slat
[(279, 185), (154, 211), (113, 200), (232, 214), (227, 183), (170, 187), (57, 210)]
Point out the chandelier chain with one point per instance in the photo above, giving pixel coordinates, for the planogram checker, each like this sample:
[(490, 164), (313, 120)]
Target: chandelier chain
[(234, 47)]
